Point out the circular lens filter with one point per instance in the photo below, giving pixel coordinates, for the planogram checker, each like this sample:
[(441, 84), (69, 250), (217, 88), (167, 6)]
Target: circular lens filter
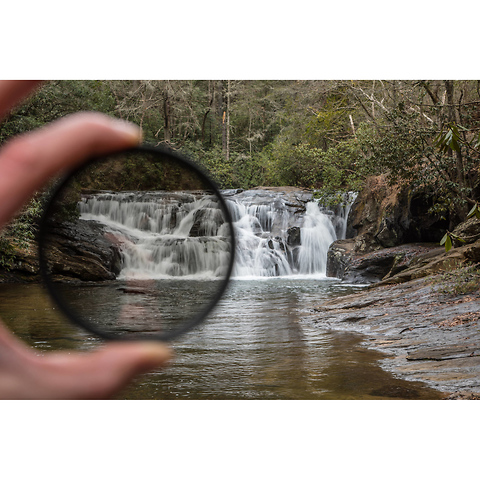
[(137, 245)]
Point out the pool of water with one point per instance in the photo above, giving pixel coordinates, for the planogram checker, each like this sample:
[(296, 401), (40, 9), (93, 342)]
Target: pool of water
[(259, 343)]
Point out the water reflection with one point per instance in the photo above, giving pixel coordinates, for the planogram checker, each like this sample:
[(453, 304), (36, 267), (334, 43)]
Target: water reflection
[(258, 344)]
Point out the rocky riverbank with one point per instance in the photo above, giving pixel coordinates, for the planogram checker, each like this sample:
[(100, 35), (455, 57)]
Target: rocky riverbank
[(413, 309), (413, 314), (79, 251)]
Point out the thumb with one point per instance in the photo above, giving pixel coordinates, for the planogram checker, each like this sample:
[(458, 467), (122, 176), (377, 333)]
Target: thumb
[(104, 372)]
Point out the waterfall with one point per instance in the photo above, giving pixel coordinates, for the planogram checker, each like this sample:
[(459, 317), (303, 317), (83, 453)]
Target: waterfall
[(161, 235), (281, 233)]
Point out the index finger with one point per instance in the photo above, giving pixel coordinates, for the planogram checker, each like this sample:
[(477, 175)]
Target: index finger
[(29, 160)]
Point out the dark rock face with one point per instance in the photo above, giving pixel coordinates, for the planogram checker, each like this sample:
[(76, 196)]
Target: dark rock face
[(81, 250), (78, 250), (294, 236), (383, 216), (345, 263), (204, 223)]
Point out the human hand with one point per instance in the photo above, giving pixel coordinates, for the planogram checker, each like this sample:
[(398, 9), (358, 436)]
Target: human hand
[(26, 163)]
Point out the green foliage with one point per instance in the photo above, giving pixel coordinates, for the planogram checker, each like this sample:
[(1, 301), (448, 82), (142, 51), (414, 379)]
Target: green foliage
[(331, 123), (448, 239), (20, 232), (298, 165), (54, 100), (214, 162), (322, 135), (475, 211), (396, 148), (448, 139)]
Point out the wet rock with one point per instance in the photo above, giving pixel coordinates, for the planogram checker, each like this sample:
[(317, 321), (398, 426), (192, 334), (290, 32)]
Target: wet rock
[(274, 242), (338, 258), (78, 251), (204, 223), (82, 250), (447, 352), (345, 263), (426, 335), (294, 236)]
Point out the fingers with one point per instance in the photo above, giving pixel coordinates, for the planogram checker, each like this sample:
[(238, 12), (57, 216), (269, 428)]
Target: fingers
[(101, 374), (118, 364), (82, 376), (12, 350), (13, 91), (28, 161)]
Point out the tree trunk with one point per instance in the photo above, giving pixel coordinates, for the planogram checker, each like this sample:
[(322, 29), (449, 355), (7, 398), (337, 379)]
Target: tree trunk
[(211, 99), (452, 118), (226, 125), (167, 134), (227, 155)]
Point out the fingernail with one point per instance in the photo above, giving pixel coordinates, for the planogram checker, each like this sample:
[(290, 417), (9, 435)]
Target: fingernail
[(130, 129)]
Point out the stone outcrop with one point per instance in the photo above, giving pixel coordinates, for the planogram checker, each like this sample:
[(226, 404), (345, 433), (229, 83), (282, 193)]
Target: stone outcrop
[(78, 251), (468, 231), (81, 250), (427, 336), (351, 262), (24, 266), (385, 216), (397, 239), (345, 263)]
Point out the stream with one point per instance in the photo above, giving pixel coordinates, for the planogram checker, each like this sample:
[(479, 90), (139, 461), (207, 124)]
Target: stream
[(261, 341)]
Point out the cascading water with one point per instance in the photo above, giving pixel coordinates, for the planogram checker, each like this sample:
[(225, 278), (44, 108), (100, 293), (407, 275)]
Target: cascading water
[(282, 234), (162, 235), (278, 233)]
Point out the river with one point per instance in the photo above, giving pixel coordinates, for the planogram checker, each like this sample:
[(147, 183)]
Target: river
[(262, 341), (259, 343)]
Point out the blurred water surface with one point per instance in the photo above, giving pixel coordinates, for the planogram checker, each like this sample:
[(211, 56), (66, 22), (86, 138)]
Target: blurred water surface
[(259, 343)]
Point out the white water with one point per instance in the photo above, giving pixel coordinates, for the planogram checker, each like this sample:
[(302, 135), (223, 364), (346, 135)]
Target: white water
[(165, 235), (281, 234)]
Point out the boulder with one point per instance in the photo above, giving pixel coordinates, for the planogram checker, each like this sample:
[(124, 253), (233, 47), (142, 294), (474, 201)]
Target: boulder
[(345, 263), (294, 236), (385, 216), (78, 250), (468, 231), (338, 258), (82, 250)]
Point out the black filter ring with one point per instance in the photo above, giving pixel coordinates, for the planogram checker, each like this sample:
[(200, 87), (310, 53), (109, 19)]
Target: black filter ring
[(66, 309)]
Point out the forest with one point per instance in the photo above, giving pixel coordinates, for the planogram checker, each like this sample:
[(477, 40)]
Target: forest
[(324, 135)]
